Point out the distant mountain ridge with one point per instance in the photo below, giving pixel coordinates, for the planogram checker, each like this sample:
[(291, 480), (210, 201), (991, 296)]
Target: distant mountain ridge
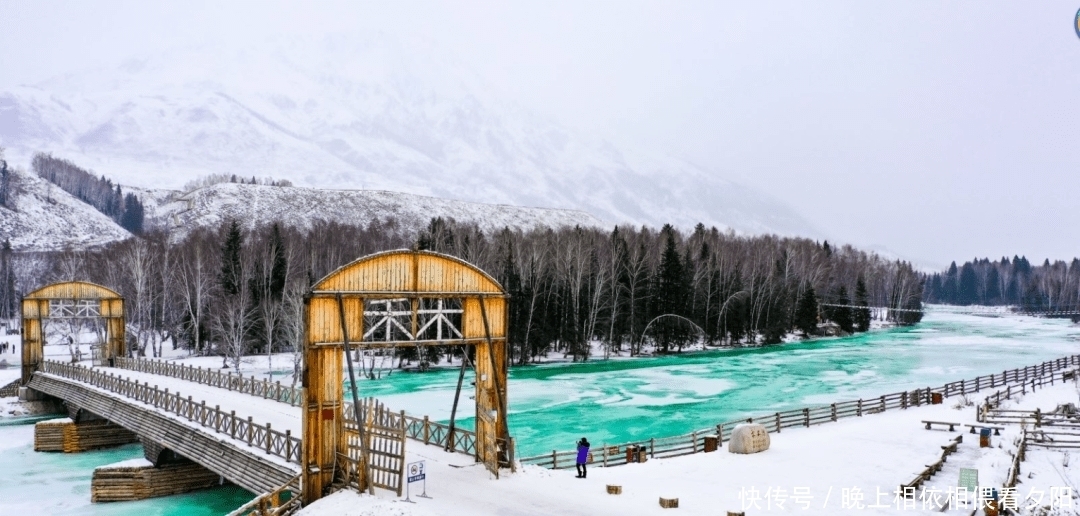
[(46, 218), (368, 114), (301, 207)]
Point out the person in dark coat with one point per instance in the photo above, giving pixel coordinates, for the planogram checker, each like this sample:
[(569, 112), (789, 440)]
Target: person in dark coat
[(582, 457)]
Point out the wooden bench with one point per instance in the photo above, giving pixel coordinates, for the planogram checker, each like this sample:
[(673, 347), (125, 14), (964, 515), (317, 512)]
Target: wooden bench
[(997, 429), (952, 426)]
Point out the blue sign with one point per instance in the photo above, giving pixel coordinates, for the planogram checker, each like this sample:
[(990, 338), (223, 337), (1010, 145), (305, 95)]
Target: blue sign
[(416, 472)]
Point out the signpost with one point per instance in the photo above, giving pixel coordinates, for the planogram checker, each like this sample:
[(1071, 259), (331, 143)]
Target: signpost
[(416, 473), (969, 479)]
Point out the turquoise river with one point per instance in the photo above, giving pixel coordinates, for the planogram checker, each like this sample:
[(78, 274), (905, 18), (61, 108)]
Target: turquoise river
[(618, 400)]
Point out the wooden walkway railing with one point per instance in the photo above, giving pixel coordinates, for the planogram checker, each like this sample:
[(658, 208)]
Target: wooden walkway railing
[(420, 429), (9, 390), (282, 501), (908, 489), (239, 383), (694, 442), (263, 437)]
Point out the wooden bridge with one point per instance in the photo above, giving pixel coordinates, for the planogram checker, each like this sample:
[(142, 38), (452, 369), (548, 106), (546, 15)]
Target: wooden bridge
[(244, 429), (273, 439)]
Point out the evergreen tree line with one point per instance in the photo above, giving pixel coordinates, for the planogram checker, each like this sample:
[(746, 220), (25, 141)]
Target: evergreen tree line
[(99, 192), (236, 290), (1049, 287)]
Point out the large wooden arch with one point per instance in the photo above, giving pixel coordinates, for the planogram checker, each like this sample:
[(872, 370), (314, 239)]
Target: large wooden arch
[(69, 300), (334, 319)]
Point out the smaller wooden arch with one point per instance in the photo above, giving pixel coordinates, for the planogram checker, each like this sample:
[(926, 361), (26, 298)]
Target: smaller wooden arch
[(334, 319), (71, 299)]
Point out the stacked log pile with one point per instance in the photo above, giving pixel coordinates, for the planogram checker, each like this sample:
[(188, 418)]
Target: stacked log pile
[(67, 436), (139, 480), (49, 435)]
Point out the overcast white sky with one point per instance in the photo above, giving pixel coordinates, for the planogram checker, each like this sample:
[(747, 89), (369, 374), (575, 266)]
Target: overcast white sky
[(940, 130)]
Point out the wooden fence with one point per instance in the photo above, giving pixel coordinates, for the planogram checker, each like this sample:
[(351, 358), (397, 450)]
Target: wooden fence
[(992, 402), (694, 442), (420, 429), (263, 437), (384, 433)]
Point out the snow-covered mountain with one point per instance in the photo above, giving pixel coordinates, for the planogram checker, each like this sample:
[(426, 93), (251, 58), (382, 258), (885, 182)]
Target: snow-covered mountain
[(45, 218), (300, 207), (359, 113)]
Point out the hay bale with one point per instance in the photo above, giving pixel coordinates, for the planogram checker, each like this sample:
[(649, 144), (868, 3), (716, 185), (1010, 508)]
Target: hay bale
[(614, 489), (749, 438), (669, 503)]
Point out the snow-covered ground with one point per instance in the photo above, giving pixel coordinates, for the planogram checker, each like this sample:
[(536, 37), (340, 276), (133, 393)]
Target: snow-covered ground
[(852, 466)]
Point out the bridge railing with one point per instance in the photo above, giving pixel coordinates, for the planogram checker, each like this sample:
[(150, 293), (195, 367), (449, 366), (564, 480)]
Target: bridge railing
[(244, 384), (693, 442), (279, 502), (420, 429), (263, 437)]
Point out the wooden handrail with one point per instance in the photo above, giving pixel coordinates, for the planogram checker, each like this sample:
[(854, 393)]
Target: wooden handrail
[(272, 442)]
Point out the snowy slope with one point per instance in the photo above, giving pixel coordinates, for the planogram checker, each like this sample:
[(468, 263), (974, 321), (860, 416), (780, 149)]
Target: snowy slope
[(300, 207), (361, 113), (47, 218)]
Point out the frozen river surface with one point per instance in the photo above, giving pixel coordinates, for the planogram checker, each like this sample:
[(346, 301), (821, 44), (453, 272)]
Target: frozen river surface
[(616, 400)]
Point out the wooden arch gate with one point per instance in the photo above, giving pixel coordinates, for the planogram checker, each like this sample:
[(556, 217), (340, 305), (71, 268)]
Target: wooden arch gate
[(409, 298), (69, 300)]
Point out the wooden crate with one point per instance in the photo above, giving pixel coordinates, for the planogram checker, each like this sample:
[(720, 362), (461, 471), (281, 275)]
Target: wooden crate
[(614, 490), (669, 503)]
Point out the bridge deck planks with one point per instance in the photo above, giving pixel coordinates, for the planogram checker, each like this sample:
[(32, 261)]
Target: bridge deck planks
[(234, 460)]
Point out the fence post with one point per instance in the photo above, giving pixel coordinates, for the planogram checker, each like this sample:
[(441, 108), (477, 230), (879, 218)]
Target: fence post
[(777, 422), (288, 445), (833, 412), (232, 424), (858, 409), (693, 443), (806, 416), (251, 431), (427, 430), (554, 459), (605, 455), (652, 447), (268, 437)]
